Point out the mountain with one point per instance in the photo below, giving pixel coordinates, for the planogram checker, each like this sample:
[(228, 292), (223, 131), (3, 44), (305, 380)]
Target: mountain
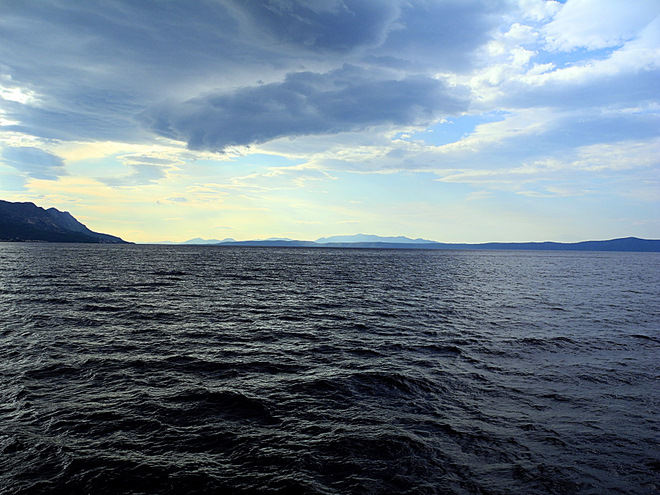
[(274, 242), (29, 222), (196, 241), (632, 244), (372, 238), (199, 240), (623, 244)]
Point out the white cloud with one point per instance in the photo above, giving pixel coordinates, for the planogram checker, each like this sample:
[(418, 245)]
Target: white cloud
[(595, 24), (593, 161), (538, 10), (17, 94)]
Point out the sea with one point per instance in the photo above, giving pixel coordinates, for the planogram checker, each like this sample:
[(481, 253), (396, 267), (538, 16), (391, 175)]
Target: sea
[(149, 369)]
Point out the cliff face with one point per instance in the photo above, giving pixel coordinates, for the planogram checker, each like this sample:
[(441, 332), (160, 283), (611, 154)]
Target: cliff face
[(28, 222)]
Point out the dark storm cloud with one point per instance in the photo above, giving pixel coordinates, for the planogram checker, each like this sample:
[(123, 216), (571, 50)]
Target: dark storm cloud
[(324, 26), (347, 99), (94, 66), (424, 33), (34, 162), (441, 35), (115, 34)]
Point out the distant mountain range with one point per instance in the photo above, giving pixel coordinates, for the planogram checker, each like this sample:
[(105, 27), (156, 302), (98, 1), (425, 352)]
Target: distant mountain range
[(197, 241), (28, 222), (355, 238), (400, 242), (372, 238)]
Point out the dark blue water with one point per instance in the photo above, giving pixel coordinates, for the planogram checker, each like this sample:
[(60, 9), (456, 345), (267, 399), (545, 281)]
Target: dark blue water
[(170, 369)]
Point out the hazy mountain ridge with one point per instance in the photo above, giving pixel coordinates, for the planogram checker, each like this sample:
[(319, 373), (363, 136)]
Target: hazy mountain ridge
[(197, 240), (29, 222), (372, 238), (623, 244), (365, 241), (337, 239)]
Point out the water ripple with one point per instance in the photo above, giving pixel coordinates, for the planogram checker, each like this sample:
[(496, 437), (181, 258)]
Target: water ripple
[(165, 369)]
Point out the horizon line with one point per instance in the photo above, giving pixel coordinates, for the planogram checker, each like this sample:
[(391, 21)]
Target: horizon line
[(417, 240)]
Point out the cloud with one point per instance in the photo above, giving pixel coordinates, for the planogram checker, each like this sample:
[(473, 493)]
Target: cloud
[(441, 35), (34, 162), (346, 99), (142, 174), (106, 63), (584, 170), (595, 24), (77, 115), (324, 25), (278, 178), (576, 60), (144, 169), (538, 10), (389, 33), (91, 68), (536, 132)]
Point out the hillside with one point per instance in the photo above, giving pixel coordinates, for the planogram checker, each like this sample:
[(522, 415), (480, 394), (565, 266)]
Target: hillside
[(29, 222)]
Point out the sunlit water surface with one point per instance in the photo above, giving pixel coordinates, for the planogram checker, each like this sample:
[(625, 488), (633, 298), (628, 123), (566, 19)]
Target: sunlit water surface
[(186, 369)]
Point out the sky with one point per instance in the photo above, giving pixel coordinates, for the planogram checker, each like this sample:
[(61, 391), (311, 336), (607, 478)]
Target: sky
[(448, 120)]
